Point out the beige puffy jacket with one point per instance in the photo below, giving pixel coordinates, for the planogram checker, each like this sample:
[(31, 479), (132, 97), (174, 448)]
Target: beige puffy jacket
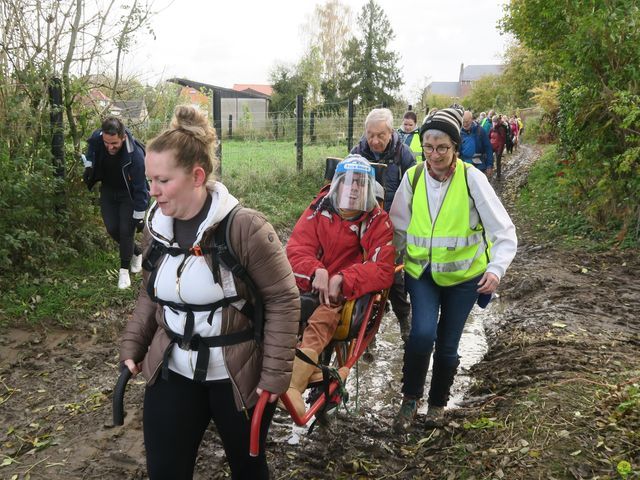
[(249, 364)]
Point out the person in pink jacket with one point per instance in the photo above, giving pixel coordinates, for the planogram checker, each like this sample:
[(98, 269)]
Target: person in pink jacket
[(340, 248)]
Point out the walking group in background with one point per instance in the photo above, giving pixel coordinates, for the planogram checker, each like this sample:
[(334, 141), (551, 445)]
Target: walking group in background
[(216, 319)]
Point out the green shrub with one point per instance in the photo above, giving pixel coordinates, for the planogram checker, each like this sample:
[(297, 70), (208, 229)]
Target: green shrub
[(554, 205), (44, 219)]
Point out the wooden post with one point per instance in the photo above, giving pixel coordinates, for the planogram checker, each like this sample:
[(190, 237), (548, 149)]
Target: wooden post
[(57, 126)]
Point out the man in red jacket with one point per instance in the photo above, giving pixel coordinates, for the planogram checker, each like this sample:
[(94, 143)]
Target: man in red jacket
[(341, 249)]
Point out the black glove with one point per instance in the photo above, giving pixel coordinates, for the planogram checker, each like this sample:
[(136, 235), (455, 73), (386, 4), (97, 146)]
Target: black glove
[(138, 224), (86, 176)]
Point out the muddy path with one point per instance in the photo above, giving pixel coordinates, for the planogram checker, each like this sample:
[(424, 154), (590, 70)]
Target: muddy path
[(563, 347)]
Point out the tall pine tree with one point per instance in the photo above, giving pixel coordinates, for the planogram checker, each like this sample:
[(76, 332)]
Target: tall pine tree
[(371, 72)]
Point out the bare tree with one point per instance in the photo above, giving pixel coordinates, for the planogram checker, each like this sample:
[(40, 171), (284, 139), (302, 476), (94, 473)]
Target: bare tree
[(72, 39), (328, 30)]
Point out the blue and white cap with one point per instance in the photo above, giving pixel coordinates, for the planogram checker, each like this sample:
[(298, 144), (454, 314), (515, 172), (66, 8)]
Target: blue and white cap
[(353, 185)]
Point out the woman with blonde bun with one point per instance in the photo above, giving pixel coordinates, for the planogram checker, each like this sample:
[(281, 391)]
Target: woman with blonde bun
[(195, 334)]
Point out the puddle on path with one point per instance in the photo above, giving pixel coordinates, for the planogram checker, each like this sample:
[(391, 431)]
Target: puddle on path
[(375, 386)]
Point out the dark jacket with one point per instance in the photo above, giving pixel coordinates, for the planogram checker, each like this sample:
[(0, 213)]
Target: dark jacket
[(476, 147), (131, 163), (398, 158)]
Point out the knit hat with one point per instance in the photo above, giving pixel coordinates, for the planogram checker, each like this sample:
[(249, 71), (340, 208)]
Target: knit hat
[(447, 120)]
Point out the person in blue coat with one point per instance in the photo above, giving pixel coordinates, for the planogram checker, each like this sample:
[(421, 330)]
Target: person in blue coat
[(116, 159), (382, 144), (476, 148)]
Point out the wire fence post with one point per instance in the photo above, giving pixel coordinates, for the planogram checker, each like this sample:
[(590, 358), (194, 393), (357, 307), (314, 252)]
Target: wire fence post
[(299, 133), (275, 126), (230, 136), (312, 126), (350, 115), (217, 124)]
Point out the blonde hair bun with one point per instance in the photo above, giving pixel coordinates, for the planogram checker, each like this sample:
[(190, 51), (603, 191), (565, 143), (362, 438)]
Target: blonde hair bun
[(194, 123)]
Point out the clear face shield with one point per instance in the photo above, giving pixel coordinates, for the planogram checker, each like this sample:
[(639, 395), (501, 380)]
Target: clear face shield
[(353, 185)]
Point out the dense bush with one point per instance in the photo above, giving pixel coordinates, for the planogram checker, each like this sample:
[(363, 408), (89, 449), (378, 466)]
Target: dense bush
[(44, 219), (593, 49)]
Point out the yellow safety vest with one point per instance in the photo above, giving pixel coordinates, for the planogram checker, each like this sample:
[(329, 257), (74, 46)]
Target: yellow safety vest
[(416, 147), (456, 252)]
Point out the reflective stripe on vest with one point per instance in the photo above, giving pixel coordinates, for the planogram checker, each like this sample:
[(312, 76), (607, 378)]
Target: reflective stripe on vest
[(456, 252)]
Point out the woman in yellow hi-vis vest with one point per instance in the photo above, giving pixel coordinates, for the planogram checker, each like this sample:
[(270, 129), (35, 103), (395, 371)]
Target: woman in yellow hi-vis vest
[(409, 134), (457, 240)]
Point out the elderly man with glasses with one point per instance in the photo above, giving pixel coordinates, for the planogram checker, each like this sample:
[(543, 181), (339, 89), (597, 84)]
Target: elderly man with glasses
[(382, 144)]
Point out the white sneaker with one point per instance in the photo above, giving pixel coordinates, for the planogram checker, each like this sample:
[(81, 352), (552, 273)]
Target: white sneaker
[(123, 279), (136, 263)]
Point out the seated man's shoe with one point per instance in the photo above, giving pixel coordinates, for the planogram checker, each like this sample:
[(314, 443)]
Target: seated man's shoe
[(300, 379), (406, 415)]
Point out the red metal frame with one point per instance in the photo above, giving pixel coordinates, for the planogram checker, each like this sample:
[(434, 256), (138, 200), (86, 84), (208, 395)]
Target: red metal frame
[(357, 347)]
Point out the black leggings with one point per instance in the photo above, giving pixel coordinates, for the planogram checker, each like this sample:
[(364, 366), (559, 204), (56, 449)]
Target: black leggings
[(117, 213), (176, 414)]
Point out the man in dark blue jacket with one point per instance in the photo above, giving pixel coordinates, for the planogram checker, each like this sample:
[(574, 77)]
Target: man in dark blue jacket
[(476, 148), (115, 158), (382, 144)]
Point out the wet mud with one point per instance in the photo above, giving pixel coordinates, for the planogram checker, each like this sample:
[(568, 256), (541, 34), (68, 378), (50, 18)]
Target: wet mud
[(563, 320)]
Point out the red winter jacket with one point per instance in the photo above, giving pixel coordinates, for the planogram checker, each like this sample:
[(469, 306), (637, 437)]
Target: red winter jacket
[(321, 239), (498, 137)]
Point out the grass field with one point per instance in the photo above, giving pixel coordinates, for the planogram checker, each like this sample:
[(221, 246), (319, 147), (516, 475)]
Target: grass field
[(262, 175)]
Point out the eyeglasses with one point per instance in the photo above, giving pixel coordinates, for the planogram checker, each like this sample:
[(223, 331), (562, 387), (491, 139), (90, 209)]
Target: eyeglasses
[(441, 149), (360, 181)]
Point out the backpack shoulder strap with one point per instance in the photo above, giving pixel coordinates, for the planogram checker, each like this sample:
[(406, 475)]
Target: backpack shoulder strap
[(224, 253), (141, 145), (397, 157), (416, 176), (484, 231)]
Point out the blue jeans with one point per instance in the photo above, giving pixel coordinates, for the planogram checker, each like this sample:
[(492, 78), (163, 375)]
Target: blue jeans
[(439, 316)]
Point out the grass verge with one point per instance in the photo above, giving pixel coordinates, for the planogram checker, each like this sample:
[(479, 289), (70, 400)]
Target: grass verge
[(554, 210)]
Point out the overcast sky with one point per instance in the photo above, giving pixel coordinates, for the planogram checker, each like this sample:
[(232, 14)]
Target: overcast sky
[(225, 42)]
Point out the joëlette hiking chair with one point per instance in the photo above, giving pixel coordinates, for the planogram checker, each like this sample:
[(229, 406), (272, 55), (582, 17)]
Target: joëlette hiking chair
[(357, 328)]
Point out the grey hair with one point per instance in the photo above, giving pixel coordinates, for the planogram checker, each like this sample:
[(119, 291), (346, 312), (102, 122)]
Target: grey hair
[(436, 134), (379, 115)]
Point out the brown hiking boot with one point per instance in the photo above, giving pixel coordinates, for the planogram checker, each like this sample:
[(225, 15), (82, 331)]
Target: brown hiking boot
[(406, 415), (434, 417)]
